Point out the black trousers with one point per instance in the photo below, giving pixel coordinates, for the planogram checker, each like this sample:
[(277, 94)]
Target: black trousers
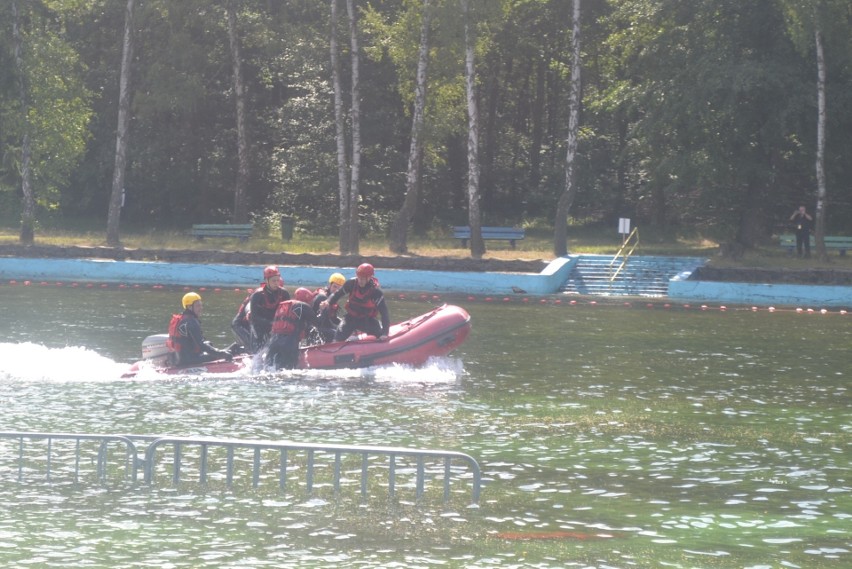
[(283, 351), (350, 324), (803, 240)]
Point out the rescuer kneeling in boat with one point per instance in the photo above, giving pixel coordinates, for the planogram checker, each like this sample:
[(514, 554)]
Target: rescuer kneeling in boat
[(328, 317), (366, 302), (291, 322), (185, 336)]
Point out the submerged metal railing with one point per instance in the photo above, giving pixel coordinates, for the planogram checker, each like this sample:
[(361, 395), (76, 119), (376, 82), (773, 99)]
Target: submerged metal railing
[(279, 459), (229, 462), (47, 454)]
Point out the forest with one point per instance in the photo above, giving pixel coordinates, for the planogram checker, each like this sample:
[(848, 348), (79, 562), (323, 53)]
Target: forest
[(405, 117)]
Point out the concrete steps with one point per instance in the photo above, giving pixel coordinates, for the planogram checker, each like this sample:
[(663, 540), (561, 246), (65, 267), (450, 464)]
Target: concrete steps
[(641, 276)]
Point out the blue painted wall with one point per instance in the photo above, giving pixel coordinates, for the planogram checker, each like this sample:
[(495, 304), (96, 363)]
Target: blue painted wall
[(756, 294), (547, 282), (141, 272)]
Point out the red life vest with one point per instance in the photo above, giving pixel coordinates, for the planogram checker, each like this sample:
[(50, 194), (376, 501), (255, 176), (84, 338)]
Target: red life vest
[(176, 341), (362, 302), (173, 343), (286, 320)]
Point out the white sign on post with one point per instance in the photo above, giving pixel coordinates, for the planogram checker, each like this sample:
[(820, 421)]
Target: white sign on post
[(623, 225)]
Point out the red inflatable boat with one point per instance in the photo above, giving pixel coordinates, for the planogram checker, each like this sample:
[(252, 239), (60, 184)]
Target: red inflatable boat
[(433, 334)]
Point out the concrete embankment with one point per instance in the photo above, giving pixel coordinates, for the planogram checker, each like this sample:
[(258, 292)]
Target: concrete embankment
[(545, 282), (479, 277)]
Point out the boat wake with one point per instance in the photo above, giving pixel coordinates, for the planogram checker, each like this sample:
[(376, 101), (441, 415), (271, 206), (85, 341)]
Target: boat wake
[(437, 371), (30, 362)]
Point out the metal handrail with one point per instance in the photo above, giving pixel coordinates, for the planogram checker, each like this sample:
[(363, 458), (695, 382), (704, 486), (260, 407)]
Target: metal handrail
[(620, 252)]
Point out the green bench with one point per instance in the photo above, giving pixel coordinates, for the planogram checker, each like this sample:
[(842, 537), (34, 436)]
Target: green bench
[(241, 231), (838, 243), (510, 234)]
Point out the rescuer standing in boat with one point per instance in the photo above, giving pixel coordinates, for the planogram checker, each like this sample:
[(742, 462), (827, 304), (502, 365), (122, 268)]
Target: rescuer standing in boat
[(366, 302), (186, 338), (262, 305), (292, 319)]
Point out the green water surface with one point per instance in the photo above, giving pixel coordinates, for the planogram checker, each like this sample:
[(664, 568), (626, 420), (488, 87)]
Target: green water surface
[(608, 436)]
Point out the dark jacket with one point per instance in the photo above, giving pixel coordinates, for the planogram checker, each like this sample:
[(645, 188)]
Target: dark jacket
[(263, 304), (364, 302)]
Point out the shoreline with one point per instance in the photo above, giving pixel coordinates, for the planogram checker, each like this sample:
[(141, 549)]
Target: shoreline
[(417, 262), (746, 286)]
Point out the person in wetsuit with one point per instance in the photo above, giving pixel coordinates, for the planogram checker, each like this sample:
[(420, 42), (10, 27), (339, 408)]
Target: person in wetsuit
[(262, 306), (186, 338), (328, 320), (292, 320), (241, 326), (365, 304)]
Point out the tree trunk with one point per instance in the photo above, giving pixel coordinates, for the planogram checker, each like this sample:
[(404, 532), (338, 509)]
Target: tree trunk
[(27, 236), (241, 187), (491, 135), (821, 205), (121, 130), (560, 233), (340, 137), (477, 244), (355, 174), (750, 216), (537, 138), (399, 229)]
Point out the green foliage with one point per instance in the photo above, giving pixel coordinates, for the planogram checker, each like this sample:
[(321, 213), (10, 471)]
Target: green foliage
[(695, 114), (58, 106)]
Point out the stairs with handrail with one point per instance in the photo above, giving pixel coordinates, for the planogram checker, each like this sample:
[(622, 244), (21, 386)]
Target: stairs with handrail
[(641, 276)]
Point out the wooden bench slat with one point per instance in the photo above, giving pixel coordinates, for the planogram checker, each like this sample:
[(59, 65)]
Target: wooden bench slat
[(510, 234), (240, 230)]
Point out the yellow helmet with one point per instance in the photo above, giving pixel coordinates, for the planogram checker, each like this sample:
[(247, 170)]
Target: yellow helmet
[(337, 279), (189, 298)]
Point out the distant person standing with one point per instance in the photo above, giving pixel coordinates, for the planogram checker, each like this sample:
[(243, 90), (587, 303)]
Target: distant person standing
[(803, 222)]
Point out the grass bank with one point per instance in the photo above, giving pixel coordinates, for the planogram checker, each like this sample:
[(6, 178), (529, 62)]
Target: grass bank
[(536, 246)]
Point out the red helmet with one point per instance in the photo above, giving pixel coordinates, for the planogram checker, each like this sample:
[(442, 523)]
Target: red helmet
[(270, 271), (303, 295), (365, 270)]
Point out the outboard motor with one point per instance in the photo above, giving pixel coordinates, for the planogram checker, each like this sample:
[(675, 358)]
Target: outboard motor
[(156, 351)]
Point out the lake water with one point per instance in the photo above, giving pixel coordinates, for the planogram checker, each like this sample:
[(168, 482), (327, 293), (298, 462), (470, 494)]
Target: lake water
[(609, 435)]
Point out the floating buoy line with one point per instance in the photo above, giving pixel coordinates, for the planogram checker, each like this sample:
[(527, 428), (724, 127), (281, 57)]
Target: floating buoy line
[(551, 300)]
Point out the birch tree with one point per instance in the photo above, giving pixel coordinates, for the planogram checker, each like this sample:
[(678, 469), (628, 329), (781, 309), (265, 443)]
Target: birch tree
[(118, 173), (399, 229), (809, 22), (52, 109), (560, 233), (819, 227), (355, 121), (27, 235), (477, 244), (243, 174), (340, 136)]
